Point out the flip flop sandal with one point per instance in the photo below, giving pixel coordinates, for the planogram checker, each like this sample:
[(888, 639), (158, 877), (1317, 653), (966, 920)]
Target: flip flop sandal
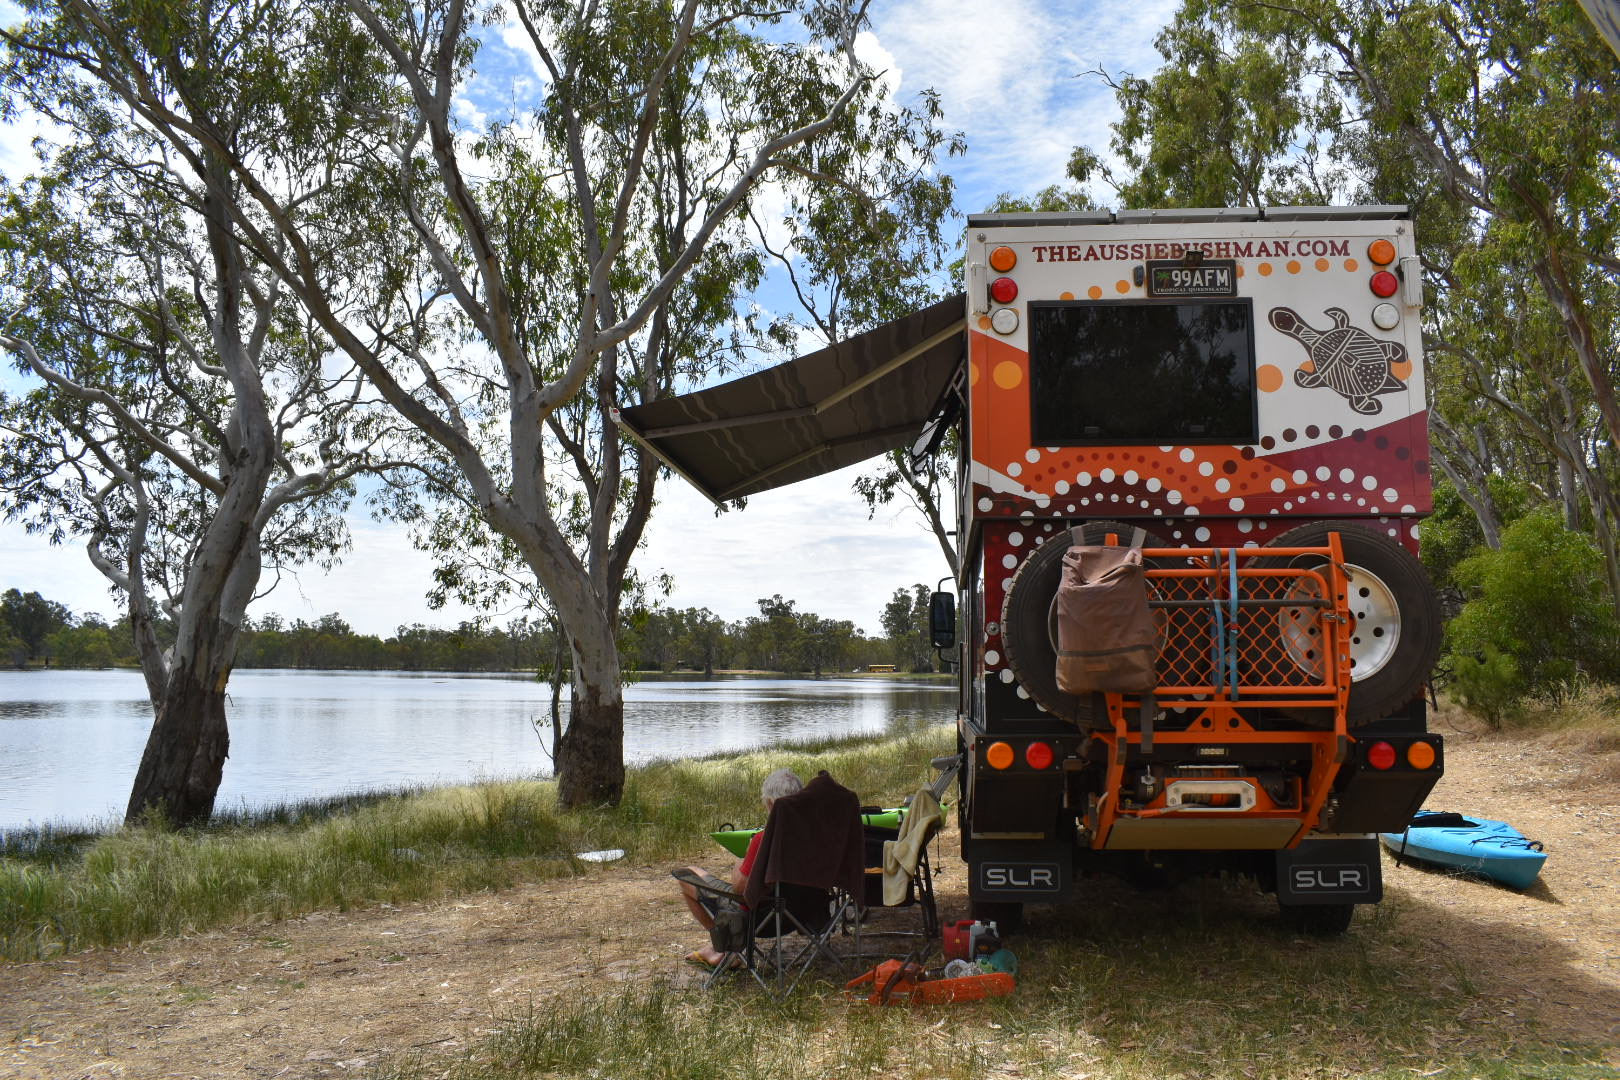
[(696, 957)]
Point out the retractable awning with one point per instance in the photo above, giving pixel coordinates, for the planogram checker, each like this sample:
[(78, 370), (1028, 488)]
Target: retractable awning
[(820, 412)]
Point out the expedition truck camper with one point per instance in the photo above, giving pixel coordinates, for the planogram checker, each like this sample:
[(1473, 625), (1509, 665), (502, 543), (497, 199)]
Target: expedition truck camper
[(1237, 393)]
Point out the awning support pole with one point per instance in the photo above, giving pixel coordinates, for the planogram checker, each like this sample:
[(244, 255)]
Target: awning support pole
[(646, 444)]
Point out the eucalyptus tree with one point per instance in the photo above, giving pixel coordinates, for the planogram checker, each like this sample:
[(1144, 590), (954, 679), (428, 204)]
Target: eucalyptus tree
[(1496, 121), (585, 248), (178, 412)]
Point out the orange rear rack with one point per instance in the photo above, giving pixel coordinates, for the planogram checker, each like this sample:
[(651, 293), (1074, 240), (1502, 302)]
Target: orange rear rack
[(1236, 641)]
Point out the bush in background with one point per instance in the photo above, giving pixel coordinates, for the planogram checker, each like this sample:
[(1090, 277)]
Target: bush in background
[(1536, 618)]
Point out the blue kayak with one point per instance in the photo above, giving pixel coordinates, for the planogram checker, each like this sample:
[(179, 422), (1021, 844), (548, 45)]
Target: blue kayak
[(1478, 845)]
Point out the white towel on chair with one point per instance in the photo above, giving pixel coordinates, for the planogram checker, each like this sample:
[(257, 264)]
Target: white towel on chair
[(901, 854)]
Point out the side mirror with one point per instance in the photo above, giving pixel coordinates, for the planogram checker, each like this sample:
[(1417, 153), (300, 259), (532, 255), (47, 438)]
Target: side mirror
[(942, 619)]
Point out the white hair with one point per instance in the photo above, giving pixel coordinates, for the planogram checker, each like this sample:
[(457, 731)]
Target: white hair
[(780, 784)]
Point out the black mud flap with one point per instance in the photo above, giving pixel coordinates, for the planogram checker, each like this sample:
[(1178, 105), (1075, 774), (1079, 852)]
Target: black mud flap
[(1019, 872), (1338, 871)]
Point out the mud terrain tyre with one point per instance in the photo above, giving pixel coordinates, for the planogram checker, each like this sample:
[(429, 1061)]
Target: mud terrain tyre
[(1396, 638), (1025, 634)]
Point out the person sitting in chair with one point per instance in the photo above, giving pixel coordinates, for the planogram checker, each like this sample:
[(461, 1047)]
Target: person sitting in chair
[(706, 906)]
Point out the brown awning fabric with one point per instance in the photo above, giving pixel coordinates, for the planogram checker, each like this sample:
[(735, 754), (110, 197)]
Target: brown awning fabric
[(811, 415)]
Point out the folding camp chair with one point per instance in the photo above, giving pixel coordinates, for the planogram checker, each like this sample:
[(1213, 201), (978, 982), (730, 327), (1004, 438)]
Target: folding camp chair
[(750, 939), (899, 873), (806, 880)]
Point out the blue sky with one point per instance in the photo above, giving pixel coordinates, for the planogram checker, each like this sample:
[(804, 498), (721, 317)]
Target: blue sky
[(1010, 76)]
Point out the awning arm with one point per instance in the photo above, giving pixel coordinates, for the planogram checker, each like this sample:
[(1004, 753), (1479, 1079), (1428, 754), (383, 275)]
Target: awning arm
[(881, 370), (818, 407), (646, 444)]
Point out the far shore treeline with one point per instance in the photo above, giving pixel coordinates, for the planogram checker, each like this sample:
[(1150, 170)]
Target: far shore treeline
[(38, 632)]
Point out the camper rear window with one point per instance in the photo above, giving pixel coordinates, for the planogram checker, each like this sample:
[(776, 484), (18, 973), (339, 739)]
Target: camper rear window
[(1115, 372)]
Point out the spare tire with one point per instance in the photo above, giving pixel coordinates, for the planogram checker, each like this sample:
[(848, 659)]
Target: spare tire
[(1025, 635), (1395, 639)]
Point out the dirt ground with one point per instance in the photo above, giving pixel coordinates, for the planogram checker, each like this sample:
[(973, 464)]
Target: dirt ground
[(331, 993)]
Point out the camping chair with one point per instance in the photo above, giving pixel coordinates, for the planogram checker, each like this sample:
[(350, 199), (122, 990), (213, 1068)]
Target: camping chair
[(806, 878), (899, 873), (744, 936)]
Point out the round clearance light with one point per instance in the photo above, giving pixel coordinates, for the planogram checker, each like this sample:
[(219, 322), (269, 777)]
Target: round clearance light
[(1005, 320), (1039, 755), (1420, 755), (1383, 283), (1386, 317), (1003, 259), (1381, 756), (1004, 290), (999, 755), (1381, 252)]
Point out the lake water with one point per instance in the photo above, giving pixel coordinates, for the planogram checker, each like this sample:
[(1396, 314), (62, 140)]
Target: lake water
[(70, 740)]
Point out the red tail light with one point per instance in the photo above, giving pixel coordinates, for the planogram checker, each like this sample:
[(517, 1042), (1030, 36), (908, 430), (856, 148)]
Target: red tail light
[(1004, 290), (1381, 755), (1039, 755)]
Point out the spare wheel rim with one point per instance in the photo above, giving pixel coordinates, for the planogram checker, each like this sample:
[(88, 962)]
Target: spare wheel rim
[(1375, 625)]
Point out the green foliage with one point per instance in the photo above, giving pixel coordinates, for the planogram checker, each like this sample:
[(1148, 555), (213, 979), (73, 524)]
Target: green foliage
[(1494, 122), (1536, 618), (90, 644), (1487, 684), (1452, 532), (32, 620), (906, 621), (13, 651), (1227, 121)]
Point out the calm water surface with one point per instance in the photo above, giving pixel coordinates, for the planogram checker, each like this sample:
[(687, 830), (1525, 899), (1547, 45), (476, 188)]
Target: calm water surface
[(70, 740)]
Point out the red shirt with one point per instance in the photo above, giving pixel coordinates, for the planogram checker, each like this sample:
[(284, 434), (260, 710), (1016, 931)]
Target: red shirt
[(747, 866)]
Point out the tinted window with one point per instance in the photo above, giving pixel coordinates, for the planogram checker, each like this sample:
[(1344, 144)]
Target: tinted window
[(1132, 372)]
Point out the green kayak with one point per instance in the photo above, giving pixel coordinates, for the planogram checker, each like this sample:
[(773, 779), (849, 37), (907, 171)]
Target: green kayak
[(736, 840)]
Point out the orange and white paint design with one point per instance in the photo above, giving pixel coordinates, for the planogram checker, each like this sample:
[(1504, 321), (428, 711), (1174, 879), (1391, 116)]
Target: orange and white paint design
[(1321, 453)]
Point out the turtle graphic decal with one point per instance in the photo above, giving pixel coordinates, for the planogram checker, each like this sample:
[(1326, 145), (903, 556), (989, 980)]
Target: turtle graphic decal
[(1346, 359)]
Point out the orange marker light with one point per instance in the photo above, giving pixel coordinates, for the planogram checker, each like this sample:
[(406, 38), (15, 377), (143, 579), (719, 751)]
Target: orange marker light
[(1420, 755), (1381, 252), (1039, 755), (999, 755), (1003, 259), (1381, 756)]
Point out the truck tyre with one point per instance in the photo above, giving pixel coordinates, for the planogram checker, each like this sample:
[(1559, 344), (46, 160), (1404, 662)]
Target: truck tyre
[(1322, 920), (1025, 635), (1396, 637)]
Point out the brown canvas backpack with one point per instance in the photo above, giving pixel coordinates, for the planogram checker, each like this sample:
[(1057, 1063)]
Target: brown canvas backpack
[(1102, 629)]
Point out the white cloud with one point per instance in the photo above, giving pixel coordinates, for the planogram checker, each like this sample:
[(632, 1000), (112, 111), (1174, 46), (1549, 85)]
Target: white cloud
[(381, 585), (515, 38), (1011, 77), (809, 541), (17, 158), (869, 50), (57, 572)]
